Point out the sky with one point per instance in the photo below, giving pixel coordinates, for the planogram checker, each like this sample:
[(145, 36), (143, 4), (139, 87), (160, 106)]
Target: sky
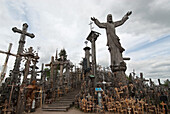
[(59, 24)]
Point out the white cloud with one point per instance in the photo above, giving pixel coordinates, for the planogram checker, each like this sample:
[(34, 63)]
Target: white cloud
[(64, 24)]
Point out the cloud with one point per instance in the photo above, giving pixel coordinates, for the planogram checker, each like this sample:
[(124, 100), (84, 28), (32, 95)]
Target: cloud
[(64, 24)]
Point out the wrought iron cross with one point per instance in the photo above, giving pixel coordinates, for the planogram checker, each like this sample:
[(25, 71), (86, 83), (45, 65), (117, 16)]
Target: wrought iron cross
[(91, 27)]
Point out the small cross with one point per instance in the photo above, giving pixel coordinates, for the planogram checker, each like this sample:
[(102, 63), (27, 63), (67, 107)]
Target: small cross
[(133, 72), (91, 27), (86, 42)]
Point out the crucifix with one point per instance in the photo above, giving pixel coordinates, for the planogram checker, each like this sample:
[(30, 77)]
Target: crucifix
[(11, 92), (23, 33), (3, 72), (62, 62), (34, 73), (29, 56), (6, 108), (52, 81)]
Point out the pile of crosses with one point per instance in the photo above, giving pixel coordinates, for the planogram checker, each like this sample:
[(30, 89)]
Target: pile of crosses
[(103, 90), (60, 82), (136, 97), (19, 95)]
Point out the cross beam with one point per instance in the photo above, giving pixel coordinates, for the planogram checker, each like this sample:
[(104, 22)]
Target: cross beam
[(23, 33)]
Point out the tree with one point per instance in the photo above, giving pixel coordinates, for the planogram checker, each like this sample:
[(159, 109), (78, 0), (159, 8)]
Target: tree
[(47, 71), (63, 53), (166, 82)]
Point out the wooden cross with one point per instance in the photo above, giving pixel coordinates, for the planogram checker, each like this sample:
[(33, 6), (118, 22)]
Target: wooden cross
[(34, 73), (129, 110), (59, 92), (11, 92), (163, 104), (23, 33), (41, 99), (51, 64), (29, 55), (88, 96), (2, 75), (52, 78), (118, 93), (93, 99), (142, 103), (6, 107)]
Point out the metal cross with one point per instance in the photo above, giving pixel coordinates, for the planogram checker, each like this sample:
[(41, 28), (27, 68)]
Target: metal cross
[(91, 27), (86, 42)]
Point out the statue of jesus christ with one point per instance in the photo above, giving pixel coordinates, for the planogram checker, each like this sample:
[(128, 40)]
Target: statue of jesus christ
[(113, 43)]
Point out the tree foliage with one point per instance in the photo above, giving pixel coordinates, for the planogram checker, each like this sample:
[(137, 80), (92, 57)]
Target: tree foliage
[(166, 82)]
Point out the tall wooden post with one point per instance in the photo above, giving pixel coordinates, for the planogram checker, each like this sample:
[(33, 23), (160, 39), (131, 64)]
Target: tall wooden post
[(92, 38)]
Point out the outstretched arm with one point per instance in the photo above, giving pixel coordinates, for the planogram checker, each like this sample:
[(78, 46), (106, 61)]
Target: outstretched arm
[(126, 17), (96, 21)]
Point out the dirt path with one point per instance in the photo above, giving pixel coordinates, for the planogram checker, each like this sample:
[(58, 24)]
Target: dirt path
[(70, 111)]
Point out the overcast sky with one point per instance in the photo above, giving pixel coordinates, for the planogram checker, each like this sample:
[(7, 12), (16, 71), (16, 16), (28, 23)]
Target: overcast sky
[(59, 24)]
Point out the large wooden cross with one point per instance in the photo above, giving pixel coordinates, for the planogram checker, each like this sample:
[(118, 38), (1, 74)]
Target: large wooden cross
[(11, 92), (23, 33), (8, 53), (28, 56), (52, 65)]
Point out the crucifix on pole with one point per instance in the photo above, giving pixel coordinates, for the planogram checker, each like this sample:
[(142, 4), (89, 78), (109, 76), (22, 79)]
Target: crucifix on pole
[(23, 33)]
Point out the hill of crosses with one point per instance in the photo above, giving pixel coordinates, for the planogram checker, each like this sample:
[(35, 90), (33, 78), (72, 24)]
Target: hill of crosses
[(60, 85)]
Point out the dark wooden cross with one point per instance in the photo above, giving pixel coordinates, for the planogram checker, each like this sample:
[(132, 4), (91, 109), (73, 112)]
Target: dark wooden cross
[(34, 73), (51, 64), (11, 92), (23, 33), (52, 77), (6, 108), (29, 55)]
